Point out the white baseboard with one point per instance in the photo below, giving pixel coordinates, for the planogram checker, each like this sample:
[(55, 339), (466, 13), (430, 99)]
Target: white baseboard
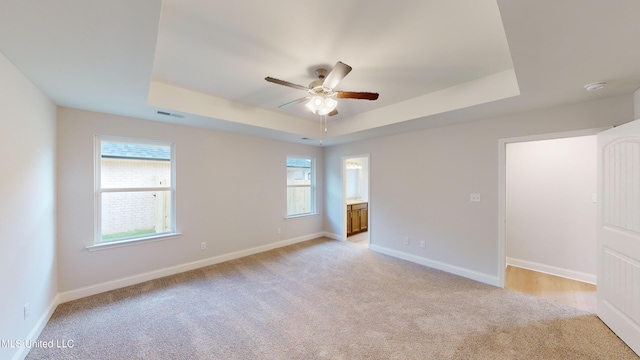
[(456, 270), (136, 279), (553, 270), (333, 236), (37, 329)]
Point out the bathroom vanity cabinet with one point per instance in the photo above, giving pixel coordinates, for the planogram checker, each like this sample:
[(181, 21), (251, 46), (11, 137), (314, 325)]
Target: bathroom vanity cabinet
[(357, 218)]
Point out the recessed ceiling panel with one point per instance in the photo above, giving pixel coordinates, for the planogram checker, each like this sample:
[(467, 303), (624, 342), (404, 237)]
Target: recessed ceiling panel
[(401, 49)]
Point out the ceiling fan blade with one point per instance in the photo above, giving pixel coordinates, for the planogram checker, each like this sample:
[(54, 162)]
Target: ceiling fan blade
[(295, 102), (334, 112), (356, 95), (339, 71), (286, 83)]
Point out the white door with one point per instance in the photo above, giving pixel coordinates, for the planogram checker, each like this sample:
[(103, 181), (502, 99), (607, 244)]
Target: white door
[(619, 231)]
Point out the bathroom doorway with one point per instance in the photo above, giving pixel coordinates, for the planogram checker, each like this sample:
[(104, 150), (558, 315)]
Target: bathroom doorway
[(356, 199)]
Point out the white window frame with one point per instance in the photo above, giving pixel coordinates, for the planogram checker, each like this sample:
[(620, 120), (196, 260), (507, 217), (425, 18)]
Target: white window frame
[(312, 187), (98, 191)]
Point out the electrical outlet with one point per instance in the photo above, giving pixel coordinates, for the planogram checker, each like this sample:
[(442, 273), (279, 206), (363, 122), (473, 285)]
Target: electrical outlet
[(203, 245), (423, 244), (407, 241), (278, 231), (474, 198), (26, 311)]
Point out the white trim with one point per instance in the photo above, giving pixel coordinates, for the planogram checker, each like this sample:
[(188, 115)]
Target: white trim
[(332, 236), (456, 270), (300, 216), (502, 187), (97, 176), (343, 198), (134, 241), (502, 212), (155, 274), (35, 332), (553, 270)]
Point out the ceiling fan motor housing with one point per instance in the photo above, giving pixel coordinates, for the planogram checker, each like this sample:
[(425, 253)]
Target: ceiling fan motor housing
[(316, 88)]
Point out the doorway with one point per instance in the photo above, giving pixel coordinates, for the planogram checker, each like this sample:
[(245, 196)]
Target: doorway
[(549, 208), (356, 200), (558, 257)]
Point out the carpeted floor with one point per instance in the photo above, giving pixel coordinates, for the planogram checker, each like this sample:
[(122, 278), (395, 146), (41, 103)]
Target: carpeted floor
[(323, 299)]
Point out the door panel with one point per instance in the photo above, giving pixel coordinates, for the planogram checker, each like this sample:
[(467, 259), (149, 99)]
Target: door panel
[(619, 231), (355, 221), (364, 219)]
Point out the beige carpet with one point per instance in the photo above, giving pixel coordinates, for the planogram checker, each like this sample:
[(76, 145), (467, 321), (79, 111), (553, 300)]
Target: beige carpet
[(323, 299)]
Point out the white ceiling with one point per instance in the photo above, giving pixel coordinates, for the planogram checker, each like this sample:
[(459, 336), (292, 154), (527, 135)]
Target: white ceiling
[(434, 62)]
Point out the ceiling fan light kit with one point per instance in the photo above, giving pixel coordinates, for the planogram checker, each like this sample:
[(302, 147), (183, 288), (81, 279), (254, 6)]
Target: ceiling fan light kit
[(322, 105)]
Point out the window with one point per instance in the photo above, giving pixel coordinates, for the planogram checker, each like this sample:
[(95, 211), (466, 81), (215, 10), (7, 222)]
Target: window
[(300, 186), (134, 189)]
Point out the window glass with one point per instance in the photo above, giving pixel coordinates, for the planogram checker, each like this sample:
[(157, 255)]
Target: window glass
[(300, 186), (134, 188)]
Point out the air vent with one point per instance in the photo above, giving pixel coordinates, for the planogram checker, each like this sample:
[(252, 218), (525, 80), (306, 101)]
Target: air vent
[(170, 114)]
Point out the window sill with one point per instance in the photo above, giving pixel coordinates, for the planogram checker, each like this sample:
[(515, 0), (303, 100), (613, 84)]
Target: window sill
[(300, 216), (129, 242)]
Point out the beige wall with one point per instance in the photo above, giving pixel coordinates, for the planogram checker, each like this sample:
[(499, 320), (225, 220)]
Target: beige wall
[(421, 181), (27, 210), (230, 193)]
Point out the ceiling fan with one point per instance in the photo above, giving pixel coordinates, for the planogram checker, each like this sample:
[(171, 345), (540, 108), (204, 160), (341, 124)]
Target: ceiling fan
[(322, 96)]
